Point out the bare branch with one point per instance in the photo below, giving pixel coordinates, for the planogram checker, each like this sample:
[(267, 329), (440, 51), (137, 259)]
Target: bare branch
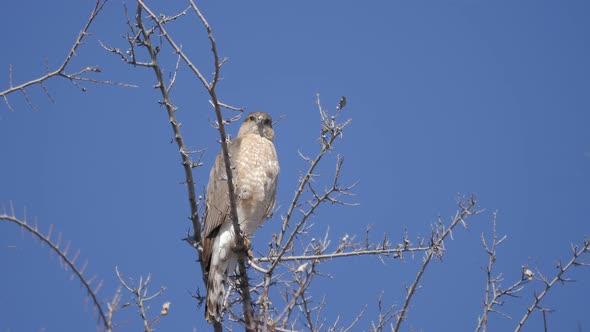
[(62, 254), (329, 132), (577, 252), (210, 86), (60, 71), (140, 293), (233, 108), (494, 291), (315, 252), (250, 324), (356, 320), (437, 248), (113, 306), (384, 316), (343, 254), (171, 110), (303, 285)]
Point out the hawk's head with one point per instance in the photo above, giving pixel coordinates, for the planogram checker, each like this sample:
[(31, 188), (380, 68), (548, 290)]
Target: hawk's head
[(258, 123)]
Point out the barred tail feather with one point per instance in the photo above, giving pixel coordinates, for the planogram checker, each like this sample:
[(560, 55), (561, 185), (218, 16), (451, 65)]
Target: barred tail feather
[(223, 261), (216, 284)]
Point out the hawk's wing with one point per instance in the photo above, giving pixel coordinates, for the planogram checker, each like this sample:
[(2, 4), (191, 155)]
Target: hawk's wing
[(272, 195), (217, 207)]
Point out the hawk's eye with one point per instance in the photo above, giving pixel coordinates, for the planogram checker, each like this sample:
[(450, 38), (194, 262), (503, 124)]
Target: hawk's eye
[(250, 118), (267, 122)]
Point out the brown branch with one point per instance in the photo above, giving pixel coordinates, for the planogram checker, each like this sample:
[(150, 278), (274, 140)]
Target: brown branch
[(171, 110), (210, 86), (250, 324), (62, 254), (176, 48), (577, 252)]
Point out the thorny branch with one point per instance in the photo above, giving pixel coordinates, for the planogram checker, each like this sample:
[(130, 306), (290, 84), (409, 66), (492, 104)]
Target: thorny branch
[(574, 261), (210, 87), (113, 306), (141, 35), (63, 255), (305, 268), (494, 291), (439, 234), (302, 283), (381, 251), (309, 261), (384, 316), (249, 321), (141, 298), (330, 131), (61, 70)]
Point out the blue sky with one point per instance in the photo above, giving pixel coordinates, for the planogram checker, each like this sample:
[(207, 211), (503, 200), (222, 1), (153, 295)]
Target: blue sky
[(446, 97)]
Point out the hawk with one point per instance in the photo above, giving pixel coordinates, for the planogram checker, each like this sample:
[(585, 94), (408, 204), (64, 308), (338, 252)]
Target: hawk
[(255, 169)]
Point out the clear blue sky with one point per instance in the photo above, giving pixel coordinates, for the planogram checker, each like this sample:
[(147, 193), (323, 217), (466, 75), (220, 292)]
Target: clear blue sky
[(446, 97)]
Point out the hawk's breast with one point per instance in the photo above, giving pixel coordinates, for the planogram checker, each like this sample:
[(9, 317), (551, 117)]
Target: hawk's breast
[(256, 171)]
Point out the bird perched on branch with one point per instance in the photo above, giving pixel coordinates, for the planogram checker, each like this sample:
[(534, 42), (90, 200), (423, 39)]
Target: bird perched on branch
[(255, 169)]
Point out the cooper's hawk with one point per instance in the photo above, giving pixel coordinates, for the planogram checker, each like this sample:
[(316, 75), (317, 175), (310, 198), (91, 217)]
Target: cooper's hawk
[(255, 169)]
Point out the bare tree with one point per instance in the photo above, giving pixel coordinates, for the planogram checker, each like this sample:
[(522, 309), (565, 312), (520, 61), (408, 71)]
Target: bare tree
[(274, 295)]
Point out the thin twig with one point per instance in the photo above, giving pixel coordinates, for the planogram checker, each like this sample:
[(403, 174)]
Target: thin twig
[(384, 317), (303, 285)]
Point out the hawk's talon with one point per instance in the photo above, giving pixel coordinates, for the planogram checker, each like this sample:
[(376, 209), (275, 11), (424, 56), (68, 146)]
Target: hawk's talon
[(248, 248), (247, 244)]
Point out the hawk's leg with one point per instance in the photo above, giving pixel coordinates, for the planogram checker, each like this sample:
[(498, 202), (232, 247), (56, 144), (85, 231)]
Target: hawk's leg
[(247, 249)]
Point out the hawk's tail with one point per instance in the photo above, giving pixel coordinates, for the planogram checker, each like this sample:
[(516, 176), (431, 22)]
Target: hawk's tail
[(216, 283)]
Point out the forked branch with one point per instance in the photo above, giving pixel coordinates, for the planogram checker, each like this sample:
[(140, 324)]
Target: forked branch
[(61, 70), (146, 41), (494, 292), (330, 131), (577, 252), (141, 298), (439, 234), (250, 324)]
